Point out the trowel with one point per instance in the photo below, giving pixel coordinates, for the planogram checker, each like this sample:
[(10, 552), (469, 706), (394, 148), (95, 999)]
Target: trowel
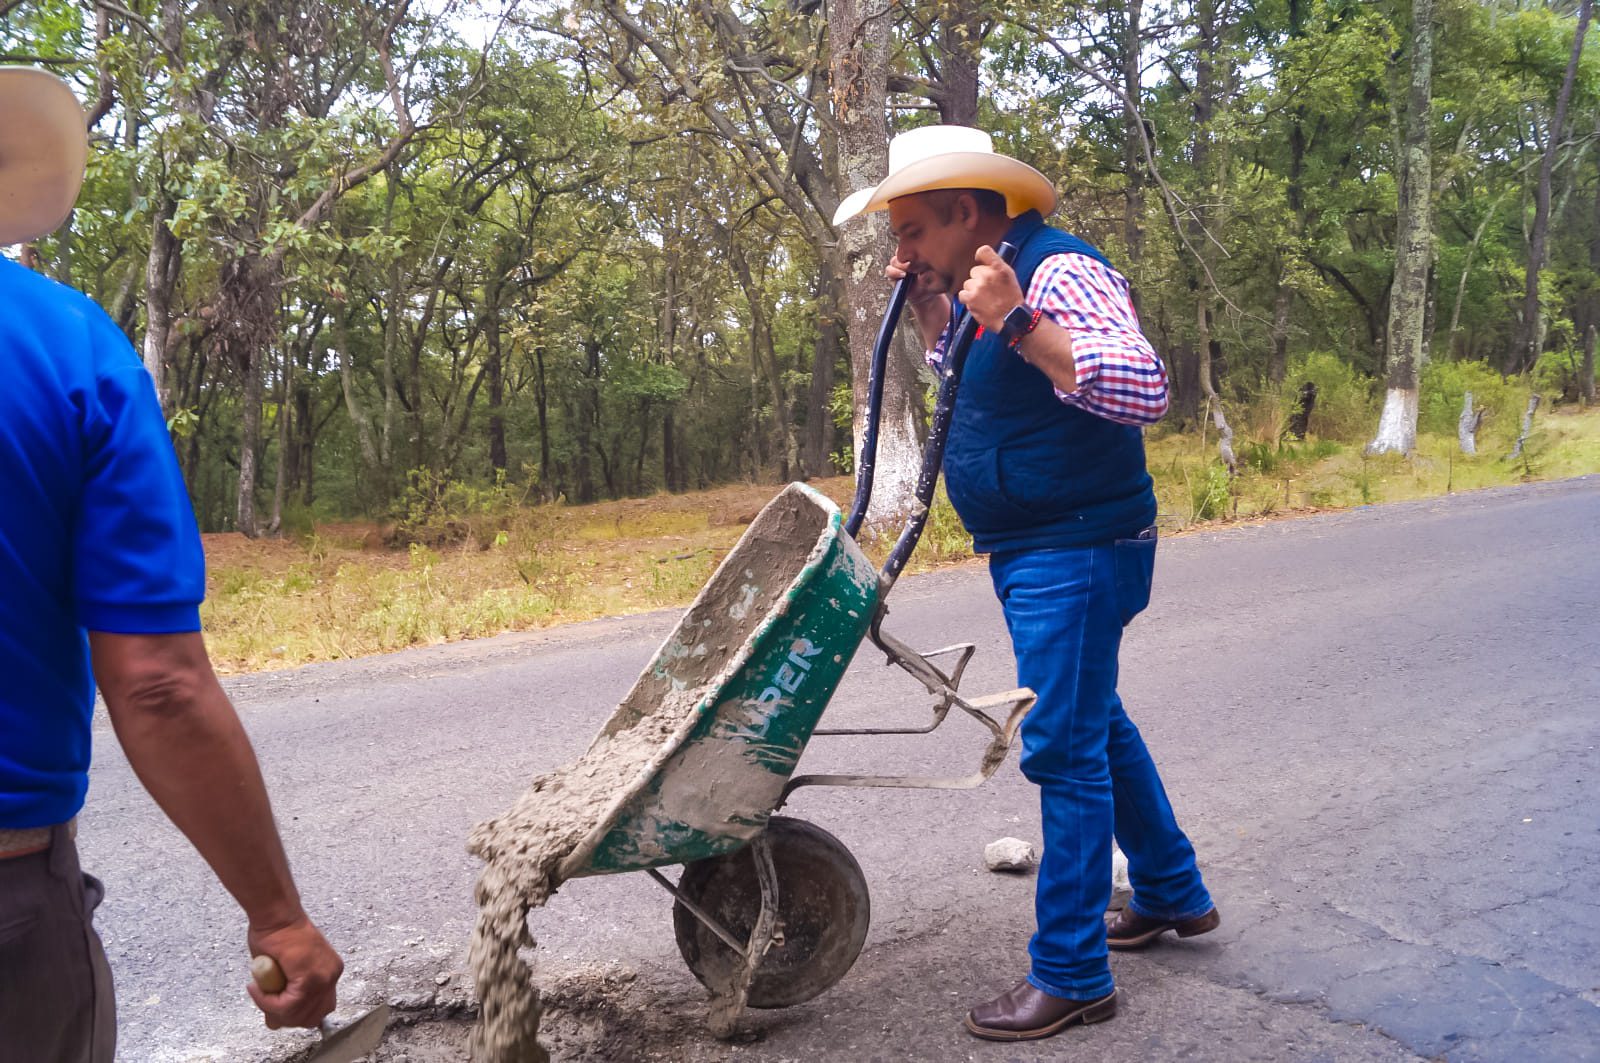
[(339, 1045)]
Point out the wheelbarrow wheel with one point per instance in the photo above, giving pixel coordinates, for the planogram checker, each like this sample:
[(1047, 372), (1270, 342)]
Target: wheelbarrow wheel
[(823, 913)]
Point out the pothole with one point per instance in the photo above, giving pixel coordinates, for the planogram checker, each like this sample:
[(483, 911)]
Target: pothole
[(601, 1012)]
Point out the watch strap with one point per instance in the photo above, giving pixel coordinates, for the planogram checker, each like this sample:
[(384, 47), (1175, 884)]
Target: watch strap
[(1018, 326)]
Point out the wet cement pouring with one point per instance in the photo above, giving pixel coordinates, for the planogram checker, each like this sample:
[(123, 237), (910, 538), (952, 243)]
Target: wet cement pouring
[(524, 849)]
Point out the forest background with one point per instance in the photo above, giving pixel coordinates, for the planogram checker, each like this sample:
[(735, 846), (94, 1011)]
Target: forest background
[(452, 268)]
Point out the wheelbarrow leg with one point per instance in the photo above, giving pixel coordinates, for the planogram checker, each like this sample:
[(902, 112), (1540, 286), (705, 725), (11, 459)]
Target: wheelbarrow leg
[(726, 1009)]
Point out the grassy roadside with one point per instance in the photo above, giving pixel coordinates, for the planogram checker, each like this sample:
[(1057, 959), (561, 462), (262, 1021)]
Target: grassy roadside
[(337, 593)]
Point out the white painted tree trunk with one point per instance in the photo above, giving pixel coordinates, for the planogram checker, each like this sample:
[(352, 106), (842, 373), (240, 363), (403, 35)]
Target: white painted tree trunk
[(161, 278), (1527, 428), (894, 483), (859, 74), (1467, 427), (1397, 426)]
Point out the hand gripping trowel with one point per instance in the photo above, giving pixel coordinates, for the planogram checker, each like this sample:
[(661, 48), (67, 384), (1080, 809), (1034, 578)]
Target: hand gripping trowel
[(341, 1045)]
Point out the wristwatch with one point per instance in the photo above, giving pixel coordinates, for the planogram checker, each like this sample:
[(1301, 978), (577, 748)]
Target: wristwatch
[(1022, 320)]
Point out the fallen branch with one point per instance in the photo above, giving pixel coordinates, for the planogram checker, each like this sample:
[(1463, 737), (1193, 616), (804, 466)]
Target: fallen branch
[(683, 556)]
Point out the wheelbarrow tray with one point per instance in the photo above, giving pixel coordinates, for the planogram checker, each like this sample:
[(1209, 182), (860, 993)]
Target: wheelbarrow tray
[(703, 744)]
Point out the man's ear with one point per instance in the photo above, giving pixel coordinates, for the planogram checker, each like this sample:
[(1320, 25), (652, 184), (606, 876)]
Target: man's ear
[(967, 213)]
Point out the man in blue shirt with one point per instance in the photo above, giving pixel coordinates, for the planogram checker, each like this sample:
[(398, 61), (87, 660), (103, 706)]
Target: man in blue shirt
[(101, 569)]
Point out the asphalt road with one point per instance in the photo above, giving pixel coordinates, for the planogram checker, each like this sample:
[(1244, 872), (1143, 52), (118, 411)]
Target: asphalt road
[(1379, 728)]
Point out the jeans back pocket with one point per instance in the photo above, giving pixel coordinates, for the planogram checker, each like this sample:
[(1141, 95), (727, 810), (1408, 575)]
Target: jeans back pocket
[(1136, 563)]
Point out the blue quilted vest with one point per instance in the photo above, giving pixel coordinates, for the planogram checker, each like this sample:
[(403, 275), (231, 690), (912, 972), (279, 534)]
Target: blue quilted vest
[(1024, 470)]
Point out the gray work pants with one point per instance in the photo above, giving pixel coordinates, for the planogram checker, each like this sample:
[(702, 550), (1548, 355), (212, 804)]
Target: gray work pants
[(56, 1004)]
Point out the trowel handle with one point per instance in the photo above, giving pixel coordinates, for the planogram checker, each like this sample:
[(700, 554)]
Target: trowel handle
[(268, 975)]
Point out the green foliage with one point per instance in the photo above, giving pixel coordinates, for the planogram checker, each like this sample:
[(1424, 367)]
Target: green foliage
[(580, 277), (677, 579), (1210, 493), (433, 511), (1260, 455), (1445, 383), (1362, 478), (1345, 409), (184, 422), (841, 408), (944, 537), (1557, 376)]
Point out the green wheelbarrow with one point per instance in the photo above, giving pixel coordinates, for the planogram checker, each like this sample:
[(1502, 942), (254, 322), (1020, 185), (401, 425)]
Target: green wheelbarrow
[(771, 911)]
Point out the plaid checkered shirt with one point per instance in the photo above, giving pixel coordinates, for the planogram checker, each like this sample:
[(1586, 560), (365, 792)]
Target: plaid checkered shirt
[(1119, 375)]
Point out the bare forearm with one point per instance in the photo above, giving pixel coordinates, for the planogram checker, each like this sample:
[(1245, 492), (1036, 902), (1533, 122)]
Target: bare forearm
[(199, 767), (190, 751)]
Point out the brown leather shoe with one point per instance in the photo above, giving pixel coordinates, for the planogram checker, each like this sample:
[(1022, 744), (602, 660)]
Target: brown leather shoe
[(1028, 1014), (1130, 930)]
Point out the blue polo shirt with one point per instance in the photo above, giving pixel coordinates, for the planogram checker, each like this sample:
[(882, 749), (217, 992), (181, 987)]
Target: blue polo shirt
[(96, 532)]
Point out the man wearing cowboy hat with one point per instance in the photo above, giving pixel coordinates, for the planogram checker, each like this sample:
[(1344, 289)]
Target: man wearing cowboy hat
[(1045, 465), (100, 568)]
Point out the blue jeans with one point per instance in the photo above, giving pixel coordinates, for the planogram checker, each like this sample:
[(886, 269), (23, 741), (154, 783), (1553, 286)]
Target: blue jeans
[(1066, 610)]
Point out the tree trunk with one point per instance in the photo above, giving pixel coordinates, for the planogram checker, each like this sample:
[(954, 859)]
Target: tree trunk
[(1467, 425), (494, 368), (1210, 33), (588, 420), (280, 485), (819, 398), (391, 338), (305, 447), (1183, 383), (960, 53), (669, 452), (1133, 161), (542, 399), (1278, 361), (190, 391), (1586, 372), (764, 353), (1589, 303), (249, 441), (1283, 297), (1397, 426), (1525, 351), (1527, 428), (1213, 401), (756, 442), (858, 36), (163, 267), (358, 417)]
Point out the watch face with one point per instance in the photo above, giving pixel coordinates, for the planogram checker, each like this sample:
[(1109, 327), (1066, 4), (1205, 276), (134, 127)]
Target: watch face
[(1017, 321)]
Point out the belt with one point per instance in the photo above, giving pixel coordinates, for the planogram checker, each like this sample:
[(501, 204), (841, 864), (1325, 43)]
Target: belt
[(14, 842)]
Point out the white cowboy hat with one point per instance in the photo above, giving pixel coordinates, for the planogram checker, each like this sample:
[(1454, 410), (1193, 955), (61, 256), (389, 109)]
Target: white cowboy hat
[(951, 156), (44, 146)]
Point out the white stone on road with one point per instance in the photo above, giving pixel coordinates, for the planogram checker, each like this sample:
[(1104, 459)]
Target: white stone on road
[(1009, 854)]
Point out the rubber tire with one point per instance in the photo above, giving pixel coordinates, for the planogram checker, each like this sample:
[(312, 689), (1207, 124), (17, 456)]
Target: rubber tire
[(823, 906)]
